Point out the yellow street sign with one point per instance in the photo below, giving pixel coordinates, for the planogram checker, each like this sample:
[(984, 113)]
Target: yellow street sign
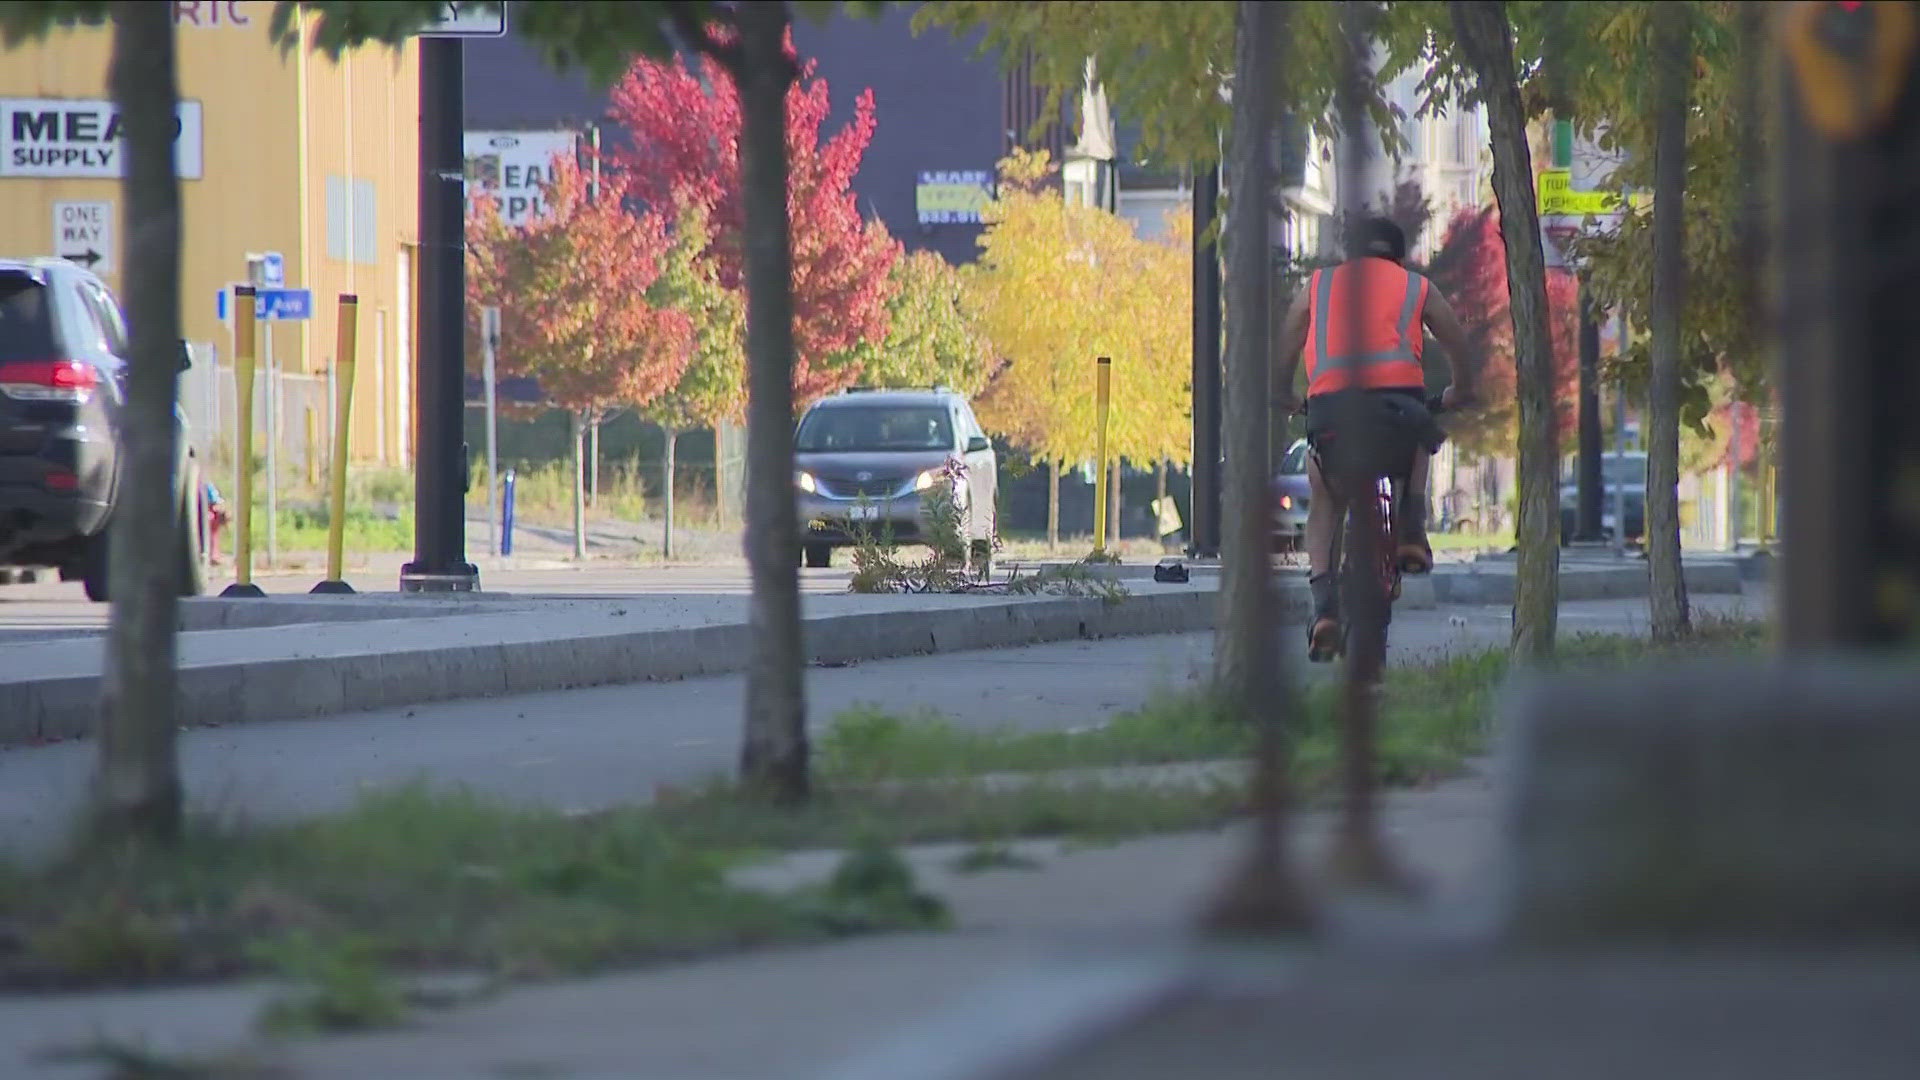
[(1557, 197)]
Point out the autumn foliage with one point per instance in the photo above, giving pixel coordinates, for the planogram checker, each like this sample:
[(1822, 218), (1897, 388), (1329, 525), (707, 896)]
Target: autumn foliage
[(1470, 270), (683, 132), (572, 288), (1059, 285)]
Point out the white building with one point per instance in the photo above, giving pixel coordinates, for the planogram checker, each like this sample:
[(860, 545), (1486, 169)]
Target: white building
[(1445, 153)]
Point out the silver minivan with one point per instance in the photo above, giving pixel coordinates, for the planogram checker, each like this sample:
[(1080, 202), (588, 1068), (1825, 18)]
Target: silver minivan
[(866, 460)]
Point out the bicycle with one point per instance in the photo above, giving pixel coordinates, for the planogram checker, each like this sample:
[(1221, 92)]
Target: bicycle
[(1370, 571)]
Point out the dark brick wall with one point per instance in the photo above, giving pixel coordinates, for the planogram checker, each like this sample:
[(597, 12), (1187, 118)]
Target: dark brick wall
[(939, 107)]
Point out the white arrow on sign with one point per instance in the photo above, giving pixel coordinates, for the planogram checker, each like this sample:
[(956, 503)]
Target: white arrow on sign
[(83, 233)]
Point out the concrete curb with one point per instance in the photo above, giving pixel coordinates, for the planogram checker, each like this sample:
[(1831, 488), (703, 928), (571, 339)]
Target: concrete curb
[(230, 692), (1474, 586)]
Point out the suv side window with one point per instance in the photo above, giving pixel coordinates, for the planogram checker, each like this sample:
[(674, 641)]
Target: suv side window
[(89, 331), (970, 426), (108, 314)]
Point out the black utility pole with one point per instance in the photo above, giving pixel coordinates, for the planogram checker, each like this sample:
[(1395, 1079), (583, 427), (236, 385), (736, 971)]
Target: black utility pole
[(440, 470), (1845, 249), (1591, 488), (1204, 535)]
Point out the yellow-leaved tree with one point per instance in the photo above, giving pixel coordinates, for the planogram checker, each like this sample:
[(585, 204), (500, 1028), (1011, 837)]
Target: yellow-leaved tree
[(1059, 285)]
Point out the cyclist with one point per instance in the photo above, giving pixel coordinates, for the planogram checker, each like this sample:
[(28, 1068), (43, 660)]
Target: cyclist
[(1374, 386)]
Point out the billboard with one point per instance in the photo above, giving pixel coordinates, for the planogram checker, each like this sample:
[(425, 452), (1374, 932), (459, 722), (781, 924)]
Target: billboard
[(69, 138), (515, 166), (952, 197)]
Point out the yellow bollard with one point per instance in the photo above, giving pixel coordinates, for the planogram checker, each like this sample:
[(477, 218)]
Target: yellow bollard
[(1102, 385), (243, 372), (337, 464)]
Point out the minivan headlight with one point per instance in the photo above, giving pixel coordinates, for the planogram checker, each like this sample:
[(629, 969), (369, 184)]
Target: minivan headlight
[(805, 482), (926, 480)]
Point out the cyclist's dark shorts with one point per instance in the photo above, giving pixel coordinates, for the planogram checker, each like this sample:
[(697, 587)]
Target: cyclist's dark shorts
[(1371, 433)]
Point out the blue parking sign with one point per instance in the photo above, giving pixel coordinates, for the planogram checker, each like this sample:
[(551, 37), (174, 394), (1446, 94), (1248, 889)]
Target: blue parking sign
[(284, 305)]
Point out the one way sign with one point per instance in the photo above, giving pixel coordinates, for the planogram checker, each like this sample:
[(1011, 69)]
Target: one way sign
[(83, 233)]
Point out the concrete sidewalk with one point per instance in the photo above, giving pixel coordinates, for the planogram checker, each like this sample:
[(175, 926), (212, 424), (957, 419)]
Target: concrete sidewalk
[(1039, 953), (1097, 922)]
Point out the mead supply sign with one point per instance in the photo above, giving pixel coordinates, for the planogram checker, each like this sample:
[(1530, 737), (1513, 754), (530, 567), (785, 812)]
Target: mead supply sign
[(48, 138), (515, 166)]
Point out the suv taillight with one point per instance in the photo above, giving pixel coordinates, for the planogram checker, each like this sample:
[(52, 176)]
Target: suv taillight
[(48, 380)]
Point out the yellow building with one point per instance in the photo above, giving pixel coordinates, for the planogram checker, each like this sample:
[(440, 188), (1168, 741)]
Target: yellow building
[(289, 153)]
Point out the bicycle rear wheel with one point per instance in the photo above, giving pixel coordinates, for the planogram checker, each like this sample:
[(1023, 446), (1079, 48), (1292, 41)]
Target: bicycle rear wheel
[(1365, 596)]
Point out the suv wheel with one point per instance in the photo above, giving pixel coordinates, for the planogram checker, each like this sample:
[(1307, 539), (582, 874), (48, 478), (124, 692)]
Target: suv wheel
[(93, 567), (818, 556), (188, 571)]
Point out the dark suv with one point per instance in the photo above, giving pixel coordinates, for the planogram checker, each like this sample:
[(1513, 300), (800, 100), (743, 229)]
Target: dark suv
[(63, 350), (864, 460)]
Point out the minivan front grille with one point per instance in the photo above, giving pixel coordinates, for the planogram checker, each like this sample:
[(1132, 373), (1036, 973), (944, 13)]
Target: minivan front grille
[(890, 488)]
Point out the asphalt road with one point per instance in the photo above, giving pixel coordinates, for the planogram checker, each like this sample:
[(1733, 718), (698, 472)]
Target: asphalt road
[(582, 749)]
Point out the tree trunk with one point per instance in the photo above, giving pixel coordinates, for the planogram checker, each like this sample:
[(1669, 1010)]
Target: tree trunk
[(1667, 586), (1160, 501), (666, 494), (1261, 894), (136, 785), (1486, 37), (773, 755), (1053, 504), (721, 518), (579, 422), (593, 461), (1245, 646)]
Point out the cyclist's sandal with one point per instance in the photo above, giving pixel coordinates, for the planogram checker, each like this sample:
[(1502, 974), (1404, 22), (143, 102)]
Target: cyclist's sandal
[(1415, 559), (1325, 641)]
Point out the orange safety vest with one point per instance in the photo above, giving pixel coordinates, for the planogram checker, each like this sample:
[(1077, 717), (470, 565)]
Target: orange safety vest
[(1386, 355)]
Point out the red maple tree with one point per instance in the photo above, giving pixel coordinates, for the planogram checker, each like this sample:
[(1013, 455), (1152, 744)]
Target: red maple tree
[(571, 286), (1470, 270), (683, 148)]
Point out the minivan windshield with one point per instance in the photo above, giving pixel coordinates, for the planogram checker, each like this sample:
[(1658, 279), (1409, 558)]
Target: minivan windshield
[(874, 428), (26, 324)]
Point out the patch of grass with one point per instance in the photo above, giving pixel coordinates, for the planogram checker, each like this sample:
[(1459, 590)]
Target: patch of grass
[(416, 879), (1433, 716), (913, 813), (873, 888), (408, 878), (866, 745), (304, 528), (344, 988), (992, 855), (543, 494)]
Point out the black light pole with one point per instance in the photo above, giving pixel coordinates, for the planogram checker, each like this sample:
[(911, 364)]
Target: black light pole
[(1204, 537), (1590, 489), (440, 477)]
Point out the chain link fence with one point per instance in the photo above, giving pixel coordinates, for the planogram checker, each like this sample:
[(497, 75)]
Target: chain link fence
[(292, 417)]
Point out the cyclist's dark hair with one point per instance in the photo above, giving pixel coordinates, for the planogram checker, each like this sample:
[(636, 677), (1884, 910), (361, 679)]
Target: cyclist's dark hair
[(1379, 237)]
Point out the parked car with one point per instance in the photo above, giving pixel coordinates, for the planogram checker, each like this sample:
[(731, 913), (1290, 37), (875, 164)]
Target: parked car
[(1626, 471), (63, 367), (1291, 494), (865, 460)]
